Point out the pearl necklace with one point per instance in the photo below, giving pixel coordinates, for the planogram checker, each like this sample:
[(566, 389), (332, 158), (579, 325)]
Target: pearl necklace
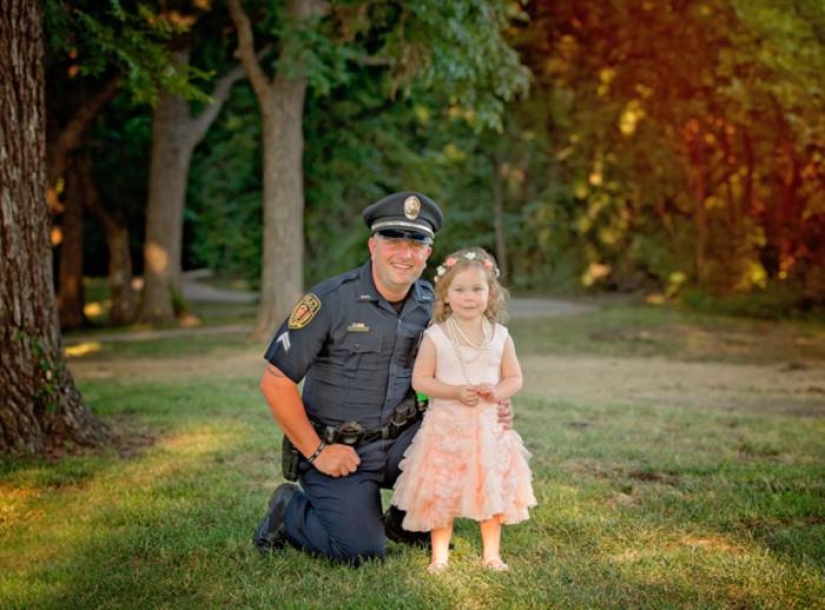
[(454, 332)]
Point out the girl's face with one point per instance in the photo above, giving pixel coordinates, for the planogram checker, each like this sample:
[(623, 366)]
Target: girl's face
[(468, 293)]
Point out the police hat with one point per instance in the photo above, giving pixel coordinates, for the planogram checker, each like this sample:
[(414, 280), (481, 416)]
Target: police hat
[(408, 214)]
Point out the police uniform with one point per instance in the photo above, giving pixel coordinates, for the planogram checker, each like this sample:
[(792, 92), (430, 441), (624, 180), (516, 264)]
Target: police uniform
[(355, 353)]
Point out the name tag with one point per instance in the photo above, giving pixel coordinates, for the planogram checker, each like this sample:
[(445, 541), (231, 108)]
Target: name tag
[(358, 327)]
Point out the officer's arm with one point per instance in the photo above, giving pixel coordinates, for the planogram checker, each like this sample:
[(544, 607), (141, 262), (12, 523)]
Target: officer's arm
[(287, 408)]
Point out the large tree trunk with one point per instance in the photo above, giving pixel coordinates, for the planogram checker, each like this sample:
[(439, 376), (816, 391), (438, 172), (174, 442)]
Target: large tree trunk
[(175, 134), (282, 107), (70, 296), (283, 247), (39, 404)]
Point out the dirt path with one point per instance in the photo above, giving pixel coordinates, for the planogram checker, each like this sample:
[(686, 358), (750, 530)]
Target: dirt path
[(659, 381)]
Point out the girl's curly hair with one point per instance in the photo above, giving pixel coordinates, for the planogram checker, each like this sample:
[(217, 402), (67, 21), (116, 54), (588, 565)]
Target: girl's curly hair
[(459, 261)]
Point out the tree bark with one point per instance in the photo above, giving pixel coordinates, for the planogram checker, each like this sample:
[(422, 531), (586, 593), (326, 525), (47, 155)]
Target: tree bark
[(39, 404), (168, 173), (282, 106), (124, 298), (175, 134), (70, 296)]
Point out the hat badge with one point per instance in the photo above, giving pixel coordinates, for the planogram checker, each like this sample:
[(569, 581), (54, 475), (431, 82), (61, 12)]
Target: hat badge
[(412, 207)]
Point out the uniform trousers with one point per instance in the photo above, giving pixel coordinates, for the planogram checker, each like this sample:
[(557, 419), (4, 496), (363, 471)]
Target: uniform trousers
[(341, 517)]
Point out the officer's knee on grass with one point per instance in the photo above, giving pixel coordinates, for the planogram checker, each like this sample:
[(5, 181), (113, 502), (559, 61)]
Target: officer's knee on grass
[(361, 545)]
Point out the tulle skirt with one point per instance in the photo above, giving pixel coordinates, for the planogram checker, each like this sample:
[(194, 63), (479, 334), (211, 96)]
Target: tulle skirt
[(462, 463)]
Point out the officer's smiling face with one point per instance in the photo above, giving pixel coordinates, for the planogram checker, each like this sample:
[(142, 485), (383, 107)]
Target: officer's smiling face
[(396, 264)]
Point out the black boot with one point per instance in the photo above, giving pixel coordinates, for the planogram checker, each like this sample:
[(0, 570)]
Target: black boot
[(392, 527), (270, 534)]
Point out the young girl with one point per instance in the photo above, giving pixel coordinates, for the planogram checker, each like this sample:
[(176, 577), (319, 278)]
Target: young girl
[(462, 462)]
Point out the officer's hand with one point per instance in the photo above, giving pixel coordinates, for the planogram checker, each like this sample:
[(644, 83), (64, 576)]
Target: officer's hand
[(337, 460), (467, 395), (506, 414)]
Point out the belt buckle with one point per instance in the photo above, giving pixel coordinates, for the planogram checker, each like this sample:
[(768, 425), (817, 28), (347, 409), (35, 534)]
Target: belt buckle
[(350, 433)]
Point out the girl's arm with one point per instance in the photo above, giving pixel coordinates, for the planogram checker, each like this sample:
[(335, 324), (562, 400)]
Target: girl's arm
[(511, 378), (424, 381)]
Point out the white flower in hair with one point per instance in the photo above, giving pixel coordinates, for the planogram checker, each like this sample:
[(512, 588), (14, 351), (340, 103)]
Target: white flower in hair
[(469, 255)]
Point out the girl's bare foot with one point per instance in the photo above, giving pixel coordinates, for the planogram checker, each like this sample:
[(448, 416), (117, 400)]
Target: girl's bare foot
[(437, 567)]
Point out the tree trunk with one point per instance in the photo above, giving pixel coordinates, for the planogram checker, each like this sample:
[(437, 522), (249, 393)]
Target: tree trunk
[(283, 203), (498, 218), (124, 298), (70, 296), (700, 220), (175, 134), (788, 209), (168, 174), (282, 108), (39, 404)]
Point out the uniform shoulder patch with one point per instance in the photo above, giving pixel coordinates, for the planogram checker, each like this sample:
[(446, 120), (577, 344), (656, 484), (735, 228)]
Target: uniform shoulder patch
[(303, 313)]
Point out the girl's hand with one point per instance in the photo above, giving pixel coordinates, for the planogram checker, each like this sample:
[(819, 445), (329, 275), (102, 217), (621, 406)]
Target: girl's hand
[(467, 395), (487, 392)]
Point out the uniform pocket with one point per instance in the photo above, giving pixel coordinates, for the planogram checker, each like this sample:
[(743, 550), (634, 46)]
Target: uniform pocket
[(357, 348)]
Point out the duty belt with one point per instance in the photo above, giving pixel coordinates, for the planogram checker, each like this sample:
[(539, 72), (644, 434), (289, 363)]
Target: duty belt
[(353, 434)]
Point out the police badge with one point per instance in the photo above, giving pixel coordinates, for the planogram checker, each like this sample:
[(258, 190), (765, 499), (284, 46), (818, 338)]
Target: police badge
[(412, 207)]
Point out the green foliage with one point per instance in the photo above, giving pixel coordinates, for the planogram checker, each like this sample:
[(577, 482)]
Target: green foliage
[(223, 215), (663, 146), (669, 140), (458, 48), (128, 36)]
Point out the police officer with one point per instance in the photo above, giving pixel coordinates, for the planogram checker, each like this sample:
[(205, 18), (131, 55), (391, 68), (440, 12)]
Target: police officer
[(353, 340)]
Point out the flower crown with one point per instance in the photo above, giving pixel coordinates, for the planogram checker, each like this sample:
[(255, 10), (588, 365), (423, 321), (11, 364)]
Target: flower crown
[(486, 262)]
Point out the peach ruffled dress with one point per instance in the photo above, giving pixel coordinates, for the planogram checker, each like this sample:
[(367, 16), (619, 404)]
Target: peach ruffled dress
[(462, 462)]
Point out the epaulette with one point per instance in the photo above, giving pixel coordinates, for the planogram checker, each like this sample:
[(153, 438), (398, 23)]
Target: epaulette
[(333, 283), (426, 291)]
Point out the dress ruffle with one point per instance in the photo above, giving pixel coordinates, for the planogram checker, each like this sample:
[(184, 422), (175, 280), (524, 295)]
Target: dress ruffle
[(463, 463)]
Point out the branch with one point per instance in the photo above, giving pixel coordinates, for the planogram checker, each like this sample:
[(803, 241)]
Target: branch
[(376, 60), (246, 50), (200, 125), (71, 136)]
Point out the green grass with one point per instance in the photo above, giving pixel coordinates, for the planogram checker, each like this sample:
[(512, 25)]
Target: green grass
[(645, 506), (177, 346)]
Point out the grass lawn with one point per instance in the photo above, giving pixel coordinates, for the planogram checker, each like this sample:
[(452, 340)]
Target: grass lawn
[(648, 505)]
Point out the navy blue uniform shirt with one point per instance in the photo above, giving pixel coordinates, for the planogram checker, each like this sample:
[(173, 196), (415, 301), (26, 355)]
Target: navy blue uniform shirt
[(354, 352)]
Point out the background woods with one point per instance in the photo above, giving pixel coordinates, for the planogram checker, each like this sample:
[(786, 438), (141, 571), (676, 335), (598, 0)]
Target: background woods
[(676, 147)]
